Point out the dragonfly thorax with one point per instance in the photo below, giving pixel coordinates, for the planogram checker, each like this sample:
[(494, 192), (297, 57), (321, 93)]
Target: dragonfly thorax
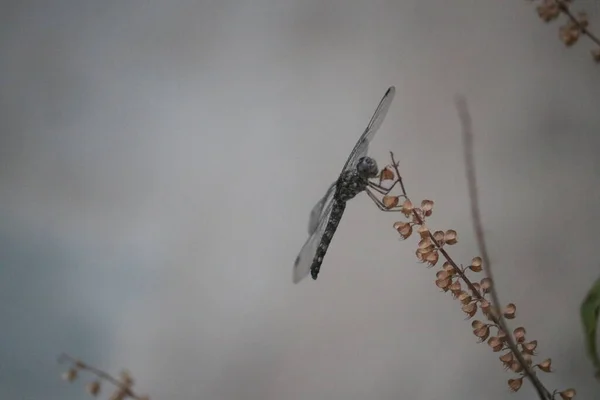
[(367, 167)]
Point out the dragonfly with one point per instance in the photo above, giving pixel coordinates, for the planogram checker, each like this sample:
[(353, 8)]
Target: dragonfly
[(355, 178)]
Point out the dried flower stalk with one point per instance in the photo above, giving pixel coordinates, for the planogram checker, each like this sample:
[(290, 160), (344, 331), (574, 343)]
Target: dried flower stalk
[(123, 385)]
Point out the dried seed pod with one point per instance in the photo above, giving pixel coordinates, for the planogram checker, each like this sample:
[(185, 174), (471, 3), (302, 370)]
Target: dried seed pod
[(496, 344), (470, 309), (545, 365), (427, 207), (567, 394), (70, 375), (510, 311), (386, 174), (404, 229), (450, 237), (390, 201), (93, 388), (529, 348), (519, 334), (407, 207), (476, 264), (515, 384)]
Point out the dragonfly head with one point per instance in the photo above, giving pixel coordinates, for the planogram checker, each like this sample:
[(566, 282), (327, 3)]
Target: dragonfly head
[(367, 167)]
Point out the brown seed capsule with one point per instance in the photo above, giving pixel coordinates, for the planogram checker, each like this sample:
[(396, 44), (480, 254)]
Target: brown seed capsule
[(470, 309), (510, 311), (567, 394), (476, 264), (450, 237), (545, 365), (530, 347), (404, 229), (519, 334), (464, 298), (486, 285), (390, 201), (496, 344), (386, 174), (439, 237), (515, 384), (427, 207), (407, 207)]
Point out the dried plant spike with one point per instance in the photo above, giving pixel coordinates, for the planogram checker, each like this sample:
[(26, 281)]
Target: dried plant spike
[(427, 207), (567, 394), (476, 264), (519, 334), (451, 237), (404, 229), (510, 311), (70, 375), (515, 384), (407, 207), (545, 365), (386, 174), (390, 201), (93, 388)]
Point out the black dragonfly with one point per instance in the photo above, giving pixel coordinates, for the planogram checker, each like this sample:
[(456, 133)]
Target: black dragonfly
[(355, 178)]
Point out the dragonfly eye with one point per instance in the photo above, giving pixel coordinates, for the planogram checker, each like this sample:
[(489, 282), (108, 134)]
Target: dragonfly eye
[(367, 167)]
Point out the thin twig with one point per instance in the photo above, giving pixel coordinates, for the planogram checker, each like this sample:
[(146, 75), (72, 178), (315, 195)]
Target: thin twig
[(467, 134)]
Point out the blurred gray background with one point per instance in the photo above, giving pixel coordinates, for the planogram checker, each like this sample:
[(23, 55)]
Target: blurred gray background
[(159, 161)]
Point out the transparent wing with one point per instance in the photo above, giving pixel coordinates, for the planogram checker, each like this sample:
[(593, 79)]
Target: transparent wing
[(316, 212), (362, 146), (307, 253)]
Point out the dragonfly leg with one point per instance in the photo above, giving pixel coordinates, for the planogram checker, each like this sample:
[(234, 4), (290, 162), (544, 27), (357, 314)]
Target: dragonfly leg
[(381, 189), (380, 204)]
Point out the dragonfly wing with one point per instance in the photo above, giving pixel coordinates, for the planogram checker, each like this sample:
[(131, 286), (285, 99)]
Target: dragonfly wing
[(307, 253), (317, 211), (362, 146)]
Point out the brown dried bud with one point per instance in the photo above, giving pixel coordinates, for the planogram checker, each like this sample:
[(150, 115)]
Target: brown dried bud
[(515, 384), (448, 268), (510, 311), (545, 365), (485, 307), (507, 358), (476, 264), (482, 333), (404, 229), (432, 258), (451, 237), (93, 388), (567, 394)]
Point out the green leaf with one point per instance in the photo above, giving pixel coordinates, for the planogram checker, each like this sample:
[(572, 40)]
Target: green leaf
[(590, 310)]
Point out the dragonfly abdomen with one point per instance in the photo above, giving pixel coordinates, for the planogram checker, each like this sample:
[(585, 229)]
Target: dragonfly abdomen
[(334, 220)]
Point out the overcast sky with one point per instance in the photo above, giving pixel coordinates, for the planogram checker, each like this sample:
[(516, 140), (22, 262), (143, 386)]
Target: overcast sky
[(159, 161)]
